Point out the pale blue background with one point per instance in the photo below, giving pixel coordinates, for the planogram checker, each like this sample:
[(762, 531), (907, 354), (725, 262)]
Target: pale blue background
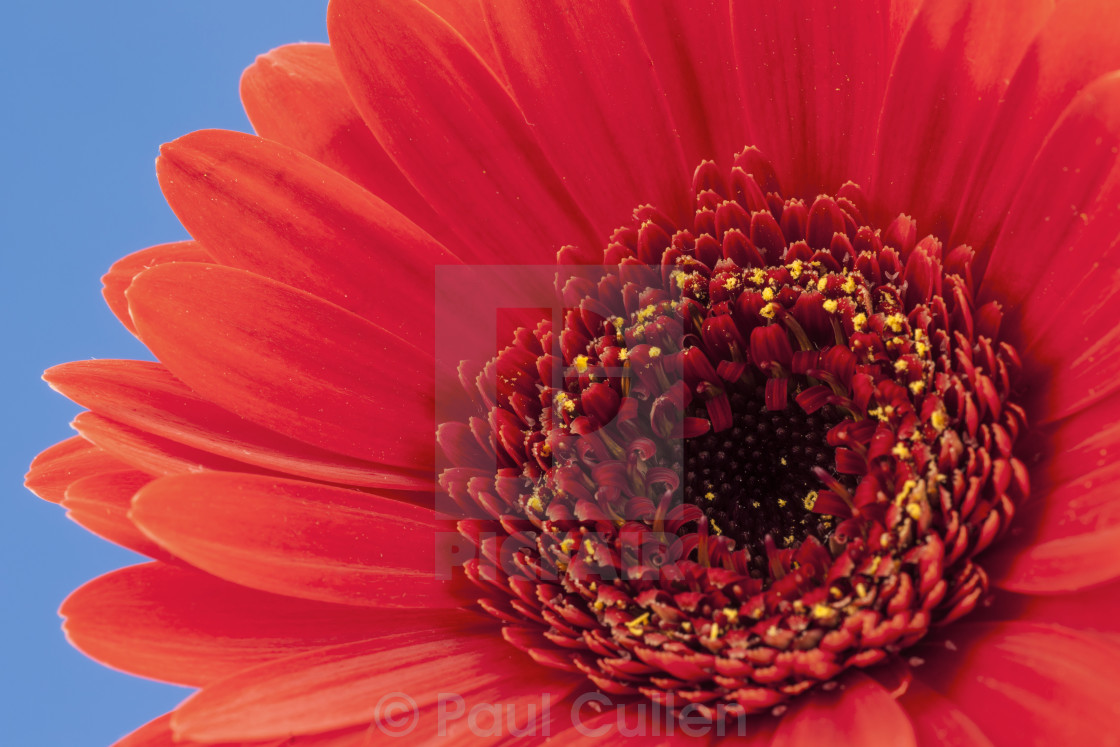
[(88, 91)]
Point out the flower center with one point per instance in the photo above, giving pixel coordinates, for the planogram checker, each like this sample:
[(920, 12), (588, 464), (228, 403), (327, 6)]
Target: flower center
[(757, 451), (755, 479)]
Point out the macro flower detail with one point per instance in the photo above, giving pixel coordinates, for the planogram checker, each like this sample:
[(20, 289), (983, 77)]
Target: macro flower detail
[(809, 436), (761, 449)]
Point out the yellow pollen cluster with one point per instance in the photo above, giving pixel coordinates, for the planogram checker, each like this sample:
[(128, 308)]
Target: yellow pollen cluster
[(758, 277), (581, 362), (810, 500), (564, 401), (901, 451), (795, 269), (654, 352), (731, 614), (710, 496), (917, 386), (822, 283), (895, 321), (830, 306), (914, 511), (568, 545), (849, 285), (859, 321), (635, 625), (769, 311), (767, 294), (731, 283), (644, 315), (535, 503), (939, 420)]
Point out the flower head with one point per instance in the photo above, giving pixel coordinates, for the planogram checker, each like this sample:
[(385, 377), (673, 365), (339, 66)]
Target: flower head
[(817, 401)]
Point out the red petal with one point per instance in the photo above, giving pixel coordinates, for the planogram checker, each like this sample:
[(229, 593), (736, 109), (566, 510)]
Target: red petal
[(860, 712), (288, 361), (260, 206), (295, 95), (100, 503), (450, 125), (180, 625), (1029, 684), (120, 275), (347, 685), (581, 74), (155, 455), (301, 539), (937, 721), (813, 76), (945, 87), (1074, 47), (1067, 564), (690, 43), (467, 17), (147, 397), (65, 462)]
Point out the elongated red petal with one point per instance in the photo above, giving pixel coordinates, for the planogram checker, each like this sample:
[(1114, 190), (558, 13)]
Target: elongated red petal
[(53, 470), (813, 76), (184, 626), (301, 539), (147, 397), (580, 73), (1024, 683), (1072, 49), (861, 712), (937, 721), (451, 126), (288, 361), (263, 207), (690, 44), (120, 275), (295, 95), (100, 503), (944, 91), (344, 685)]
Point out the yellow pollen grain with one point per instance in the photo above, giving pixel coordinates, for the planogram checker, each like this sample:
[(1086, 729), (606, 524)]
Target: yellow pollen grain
[(895, 321), (581, 363), (810, 500), (859, 321), (710, 496), (535, 503), (617, 322), (901, 365), (756, 504), (714, 634), (568, 544), (731, 283), (715, 527), (788, 540), (646, 313), (767, 294), (830, 306), (635, 625), (654, 351), (598, 605), (901, 451), (849, 285), (822, 283), (623, 354), (758, 277), (917, 386), (939, 420), (795, 269), (861, 590), (731, 614), (686, 626), (769, 311), (906, 488), (914, 511), (823, 611), (782, 502), (921, 347)]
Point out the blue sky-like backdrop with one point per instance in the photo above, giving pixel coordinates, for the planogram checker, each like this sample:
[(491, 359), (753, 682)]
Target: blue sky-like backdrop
[(89, 92)]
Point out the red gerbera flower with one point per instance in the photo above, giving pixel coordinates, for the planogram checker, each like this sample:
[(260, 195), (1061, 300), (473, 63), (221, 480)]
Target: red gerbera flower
[(812, 441)]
